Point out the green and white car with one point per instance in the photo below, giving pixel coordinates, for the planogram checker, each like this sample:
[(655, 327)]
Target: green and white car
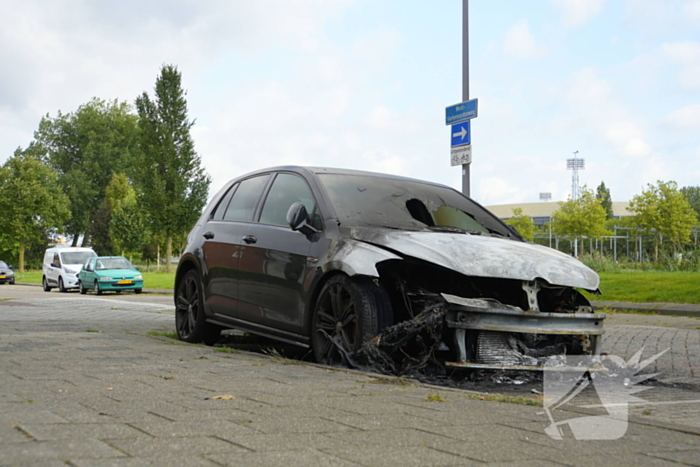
[(109, 273)]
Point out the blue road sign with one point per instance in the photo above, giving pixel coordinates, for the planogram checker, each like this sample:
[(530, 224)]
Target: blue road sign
[(461, 134), (460, 112)]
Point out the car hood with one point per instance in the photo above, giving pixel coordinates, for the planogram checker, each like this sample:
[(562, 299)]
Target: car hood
[(126, 273), (485, 256)]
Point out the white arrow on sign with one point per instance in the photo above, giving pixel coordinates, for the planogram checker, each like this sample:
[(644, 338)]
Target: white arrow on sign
[(462, 133)]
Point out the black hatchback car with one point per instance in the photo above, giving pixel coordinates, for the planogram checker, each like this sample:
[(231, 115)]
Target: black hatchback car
[(330, 258)]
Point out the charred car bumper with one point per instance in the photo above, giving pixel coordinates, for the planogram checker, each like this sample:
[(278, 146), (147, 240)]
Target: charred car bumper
[(489, 334)]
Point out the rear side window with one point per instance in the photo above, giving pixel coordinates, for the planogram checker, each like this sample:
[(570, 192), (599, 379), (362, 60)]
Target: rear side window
[(245, 199), (223, 204), (286, 190)]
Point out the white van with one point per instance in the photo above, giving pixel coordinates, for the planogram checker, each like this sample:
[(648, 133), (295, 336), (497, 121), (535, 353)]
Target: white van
[(62, 265)]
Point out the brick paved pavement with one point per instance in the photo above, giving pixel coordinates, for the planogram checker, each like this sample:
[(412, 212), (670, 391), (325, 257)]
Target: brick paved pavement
[(70, 396)]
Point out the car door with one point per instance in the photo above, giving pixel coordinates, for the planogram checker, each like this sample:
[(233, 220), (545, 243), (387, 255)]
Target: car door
[(54, 270), (274, 265), (223, 235), (87, 275)]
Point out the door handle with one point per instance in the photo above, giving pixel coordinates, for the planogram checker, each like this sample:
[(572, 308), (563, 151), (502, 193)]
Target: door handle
[(208, 235), (250, 239)]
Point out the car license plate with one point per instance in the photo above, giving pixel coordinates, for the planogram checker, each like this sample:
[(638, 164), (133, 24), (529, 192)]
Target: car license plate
[(2, 277), (123, 282)]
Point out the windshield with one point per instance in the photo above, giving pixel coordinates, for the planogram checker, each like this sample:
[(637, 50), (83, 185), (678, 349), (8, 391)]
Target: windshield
[(3, 265), (113, 263), (406, 204), (76, 257)]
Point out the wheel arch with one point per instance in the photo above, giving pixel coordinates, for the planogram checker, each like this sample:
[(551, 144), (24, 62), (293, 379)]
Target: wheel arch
[(186, 265)]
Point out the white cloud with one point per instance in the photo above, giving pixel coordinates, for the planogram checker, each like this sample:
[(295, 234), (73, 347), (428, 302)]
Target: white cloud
[(579, 12), (520, 43), (686, 54), (685, 119), (498, 190)]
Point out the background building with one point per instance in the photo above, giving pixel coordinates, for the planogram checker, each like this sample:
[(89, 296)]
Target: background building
[(541, 213)]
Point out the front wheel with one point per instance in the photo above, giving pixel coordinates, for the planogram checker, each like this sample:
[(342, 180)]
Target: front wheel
[(98, 290), (190, 320), (347, 314), (138, 291), (45, 284), (61, 285)]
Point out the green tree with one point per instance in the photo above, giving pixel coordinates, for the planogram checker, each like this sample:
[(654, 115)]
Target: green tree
[(523, 224), (692, 194), (118, 193), (603, 194), (583, 217), (128, 229), (32, 203), (86, 147), (664, 212), (172, 184)]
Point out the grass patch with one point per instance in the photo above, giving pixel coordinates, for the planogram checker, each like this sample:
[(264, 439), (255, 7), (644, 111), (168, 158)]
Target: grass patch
[(169, 334), (648, 286), (436, 398), (227, 350), (92, 330), (151, 280), (503, 398)]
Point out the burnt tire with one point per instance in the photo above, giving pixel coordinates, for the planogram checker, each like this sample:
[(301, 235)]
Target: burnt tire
[(45, 284), (348, 313), (190, 319)]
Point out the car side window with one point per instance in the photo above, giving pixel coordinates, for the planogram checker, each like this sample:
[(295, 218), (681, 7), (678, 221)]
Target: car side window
[(286, 190), (57, 260), (245, 199), (218, 214)]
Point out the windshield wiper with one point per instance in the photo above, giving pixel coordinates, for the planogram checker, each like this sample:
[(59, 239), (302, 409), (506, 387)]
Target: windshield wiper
[(451, 229)]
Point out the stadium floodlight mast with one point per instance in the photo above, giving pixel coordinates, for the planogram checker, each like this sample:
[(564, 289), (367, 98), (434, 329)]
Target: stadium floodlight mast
[(545, 197), (575, 164)]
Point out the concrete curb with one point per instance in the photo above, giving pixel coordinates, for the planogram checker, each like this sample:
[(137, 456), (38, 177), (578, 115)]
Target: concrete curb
[(679, 309)]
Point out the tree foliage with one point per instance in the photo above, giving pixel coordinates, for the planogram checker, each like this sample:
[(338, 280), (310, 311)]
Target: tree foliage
[(171, 181), (523, 224), (583, 217), (603, 194), (128, 229), (664, 212), (86, 147), (692, 194), (32, 204)]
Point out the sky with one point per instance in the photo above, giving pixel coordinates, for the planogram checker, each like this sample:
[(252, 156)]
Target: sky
[(363, 84)]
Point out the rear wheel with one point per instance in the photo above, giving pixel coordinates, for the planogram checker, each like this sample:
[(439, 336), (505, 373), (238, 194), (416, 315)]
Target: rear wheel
[(98, 291), (347, 314), (83, 290), (45, 284), (190, 319), (61, 286)]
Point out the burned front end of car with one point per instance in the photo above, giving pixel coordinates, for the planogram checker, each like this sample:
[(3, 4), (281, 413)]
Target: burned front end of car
[(505, 308)]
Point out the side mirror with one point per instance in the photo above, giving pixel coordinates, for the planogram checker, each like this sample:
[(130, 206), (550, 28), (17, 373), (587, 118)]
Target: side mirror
[(54, 265), (298, 219)]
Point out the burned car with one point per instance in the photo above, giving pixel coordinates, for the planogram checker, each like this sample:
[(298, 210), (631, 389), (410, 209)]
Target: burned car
[(337, 260)]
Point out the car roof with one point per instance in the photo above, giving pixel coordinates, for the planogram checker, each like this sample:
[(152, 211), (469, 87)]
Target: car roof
[(338, 171)]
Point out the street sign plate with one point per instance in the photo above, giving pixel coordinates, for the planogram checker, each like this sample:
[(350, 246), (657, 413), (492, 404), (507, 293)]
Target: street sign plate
[(461, 134), (461, 155), (461, 112)]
